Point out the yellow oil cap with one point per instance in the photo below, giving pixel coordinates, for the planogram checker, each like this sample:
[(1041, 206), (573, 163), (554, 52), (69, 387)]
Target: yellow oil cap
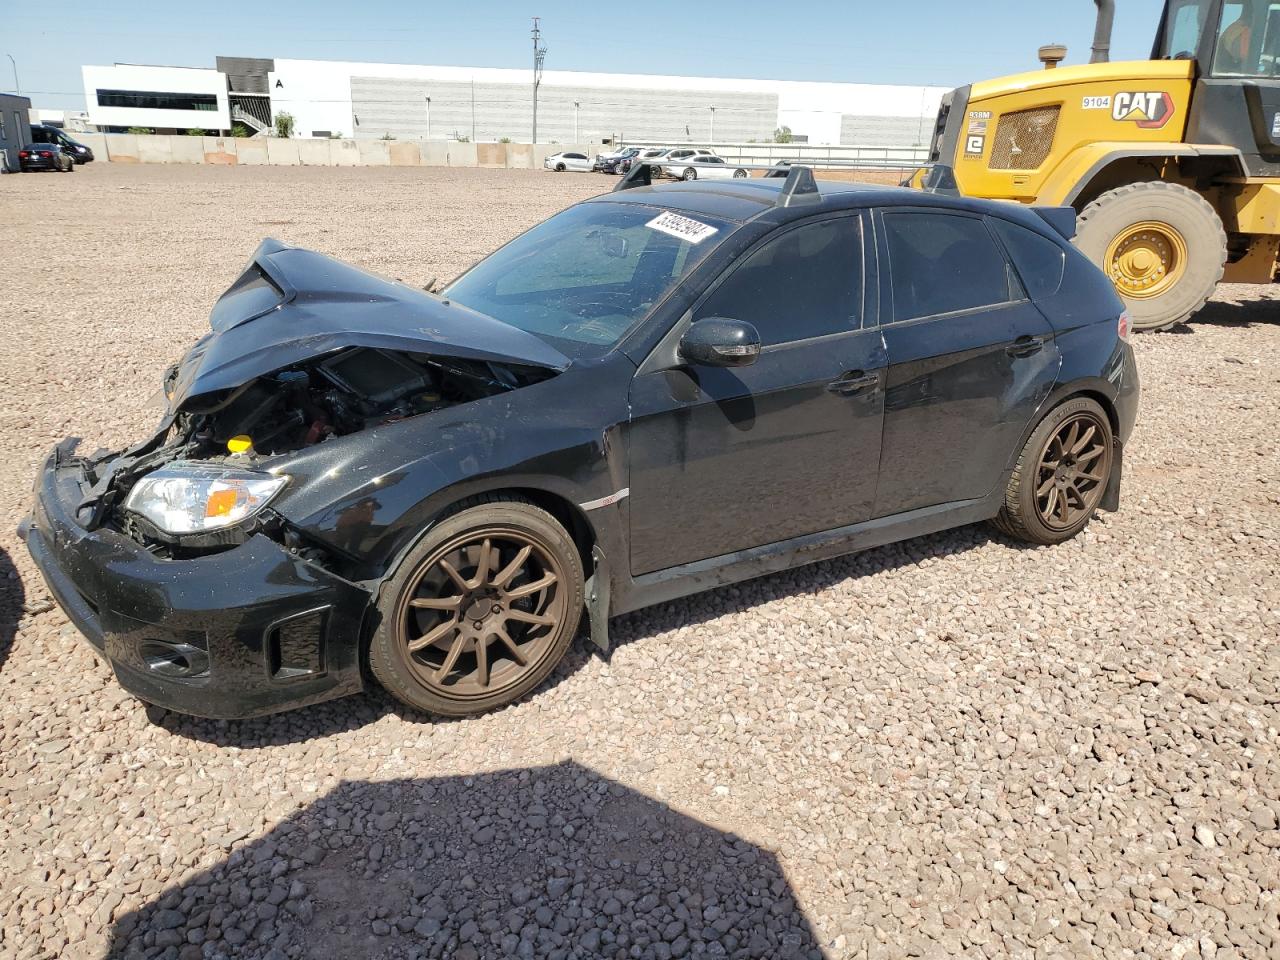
[(240, 444)]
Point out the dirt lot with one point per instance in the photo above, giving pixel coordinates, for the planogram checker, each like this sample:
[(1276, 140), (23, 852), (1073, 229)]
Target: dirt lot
[(950, 746)]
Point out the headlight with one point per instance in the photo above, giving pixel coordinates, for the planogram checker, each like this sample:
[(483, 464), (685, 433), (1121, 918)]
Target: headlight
[(194, 498)]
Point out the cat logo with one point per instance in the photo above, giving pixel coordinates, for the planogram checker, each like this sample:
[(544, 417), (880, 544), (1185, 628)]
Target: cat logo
[(1150, 110)]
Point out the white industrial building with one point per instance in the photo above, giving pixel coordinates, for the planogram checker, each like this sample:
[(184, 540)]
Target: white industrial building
[(161, 98), (406, 101)]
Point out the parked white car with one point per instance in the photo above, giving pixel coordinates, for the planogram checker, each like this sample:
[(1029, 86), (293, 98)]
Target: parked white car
[(568, 161), (702, 165)]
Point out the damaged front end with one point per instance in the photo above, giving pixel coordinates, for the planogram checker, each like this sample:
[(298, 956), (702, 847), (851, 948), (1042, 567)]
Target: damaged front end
[(175, 557), (221, 441), (304, 350)]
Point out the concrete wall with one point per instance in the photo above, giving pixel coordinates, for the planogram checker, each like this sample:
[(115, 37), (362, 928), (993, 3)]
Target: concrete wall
[(275, 151), (307, 152)]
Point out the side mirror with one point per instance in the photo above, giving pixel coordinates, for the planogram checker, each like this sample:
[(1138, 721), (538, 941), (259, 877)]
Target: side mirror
[(720, 342)]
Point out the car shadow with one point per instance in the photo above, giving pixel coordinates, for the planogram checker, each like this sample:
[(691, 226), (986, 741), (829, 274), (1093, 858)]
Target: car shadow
[(12, 601), (556, 861), (351, 713)]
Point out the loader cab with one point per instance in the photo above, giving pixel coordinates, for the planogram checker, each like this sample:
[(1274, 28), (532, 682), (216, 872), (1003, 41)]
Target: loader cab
[(1236, 101)]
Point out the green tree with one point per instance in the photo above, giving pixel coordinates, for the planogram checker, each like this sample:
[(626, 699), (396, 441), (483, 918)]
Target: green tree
[(143, 130), (284, 125), (240, 131), (782, 135)]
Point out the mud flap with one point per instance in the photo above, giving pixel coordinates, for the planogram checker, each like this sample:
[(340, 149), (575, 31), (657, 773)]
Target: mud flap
[(1111, 499), (598, 600)]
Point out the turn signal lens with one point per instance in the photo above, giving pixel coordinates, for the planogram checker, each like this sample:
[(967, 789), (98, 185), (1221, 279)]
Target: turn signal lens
[(1122, 328)]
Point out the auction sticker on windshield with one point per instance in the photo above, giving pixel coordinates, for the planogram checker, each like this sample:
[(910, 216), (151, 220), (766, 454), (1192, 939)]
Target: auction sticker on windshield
[(683, 228)]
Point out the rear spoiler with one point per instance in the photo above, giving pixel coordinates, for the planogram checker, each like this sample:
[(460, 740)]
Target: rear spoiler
[(1061, 219)]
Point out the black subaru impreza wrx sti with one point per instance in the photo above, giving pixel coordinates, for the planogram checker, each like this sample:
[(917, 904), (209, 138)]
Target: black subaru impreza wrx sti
[(655, 392)]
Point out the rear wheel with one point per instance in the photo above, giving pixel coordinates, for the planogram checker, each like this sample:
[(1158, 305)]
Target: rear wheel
[(481, 611), (1061, 475), (739, 174), (1162, 245), (689, 174)]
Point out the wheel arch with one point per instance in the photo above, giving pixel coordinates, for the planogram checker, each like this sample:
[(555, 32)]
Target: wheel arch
[(558, 503), (1096, 389), (1098, 170)]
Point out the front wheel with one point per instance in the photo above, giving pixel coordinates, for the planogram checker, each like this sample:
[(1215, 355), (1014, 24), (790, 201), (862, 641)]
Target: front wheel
[(481, 611), (1162, 245), (689, 174), (559, 168), (1061, 475)]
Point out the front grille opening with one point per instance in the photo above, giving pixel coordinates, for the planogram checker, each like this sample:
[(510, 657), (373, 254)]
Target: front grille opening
[(1024, 139), (295, 646)]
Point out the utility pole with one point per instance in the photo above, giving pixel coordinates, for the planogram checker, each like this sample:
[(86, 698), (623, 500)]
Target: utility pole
[(428, 118), (713, 124), (17, 87), (473, 109), (539, 54), (576, 104)]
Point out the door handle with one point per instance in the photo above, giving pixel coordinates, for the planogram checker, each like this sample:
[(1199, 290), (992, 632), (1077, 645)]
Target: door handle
[(853, 383), (1025, 346)]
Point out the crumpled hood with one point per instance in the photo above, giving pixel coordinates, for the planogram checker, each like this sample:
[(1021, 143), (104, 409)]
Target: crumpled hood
[(291, 305)]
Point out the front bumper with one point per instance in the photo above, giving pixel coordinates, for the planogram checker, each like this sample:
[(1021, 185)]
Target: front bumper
[(249, 631)]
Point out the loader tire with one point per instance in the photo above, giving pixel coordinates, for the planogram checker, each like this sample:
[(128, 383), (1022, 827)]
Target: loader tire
[(1162, 245)]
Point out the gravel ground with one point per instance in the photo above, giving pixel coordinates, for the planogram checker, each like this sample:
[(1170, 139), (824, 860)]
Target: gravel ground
[(953, 745)]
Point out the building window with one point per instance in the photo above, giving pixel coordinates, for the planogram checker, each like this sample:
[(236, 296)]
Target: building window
[(150, 100)]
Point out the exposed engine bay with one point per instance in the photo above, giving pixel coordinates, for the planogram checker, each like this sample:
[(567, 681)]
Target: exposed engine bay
[(290, 409), (352, 391)]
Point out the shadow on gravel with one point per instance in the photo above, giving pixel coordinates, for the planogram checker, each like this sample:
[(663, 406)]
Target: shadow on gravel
[(12, 598), (351, 713), (1243, 313), (551, 862)]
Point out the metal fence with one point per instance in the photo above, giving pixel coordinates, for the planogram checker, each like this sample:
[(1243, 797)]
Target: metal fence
[(811, 154)]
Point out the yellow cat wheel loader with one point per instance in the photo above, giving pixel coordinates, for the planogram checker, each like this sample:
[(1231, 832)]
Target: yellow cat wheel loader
[(1172, 164)]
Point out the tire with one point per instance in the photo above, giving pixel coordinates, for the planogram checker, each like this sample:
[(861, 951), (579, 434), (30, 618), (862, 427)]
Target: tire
[(689, 174), (462, 609), (1023, 514), (739, 174), (1173, 218), (559, 168)]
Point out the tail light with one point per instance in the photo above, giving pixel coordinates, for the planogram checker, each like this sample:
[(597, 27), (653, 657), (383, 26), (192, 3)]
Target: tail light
[(45, 153), (23, 154), (1122, 326)]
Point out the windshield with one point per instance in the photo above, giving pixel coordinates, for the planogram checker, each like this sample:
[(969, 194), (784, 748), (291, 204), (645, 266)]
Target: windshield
[(583, 278)]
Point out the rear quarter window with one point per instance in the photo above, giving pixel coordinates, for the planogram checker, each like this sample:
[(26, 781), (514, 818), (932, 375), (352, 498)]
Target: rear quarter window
[(1039, 261)]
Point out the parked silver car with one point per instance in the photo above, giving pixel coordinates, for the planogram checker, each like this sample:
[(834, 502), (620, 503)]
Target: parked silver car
[(704, 168), (677, 160), (561, 162)]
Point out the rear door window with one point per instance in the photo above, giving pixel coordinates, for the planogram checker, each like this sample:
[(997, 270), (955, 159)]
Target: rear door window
[(943, 263), (1040, 262)]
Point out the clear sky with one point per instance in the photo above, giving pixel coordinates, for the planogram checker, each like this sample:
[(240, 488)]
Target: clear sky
[(914, 41)]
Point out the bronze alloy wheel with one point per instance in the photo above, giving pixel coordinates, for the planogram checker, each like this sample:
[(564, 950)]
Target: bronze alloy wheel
[(1073, 470), (482, 612)]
